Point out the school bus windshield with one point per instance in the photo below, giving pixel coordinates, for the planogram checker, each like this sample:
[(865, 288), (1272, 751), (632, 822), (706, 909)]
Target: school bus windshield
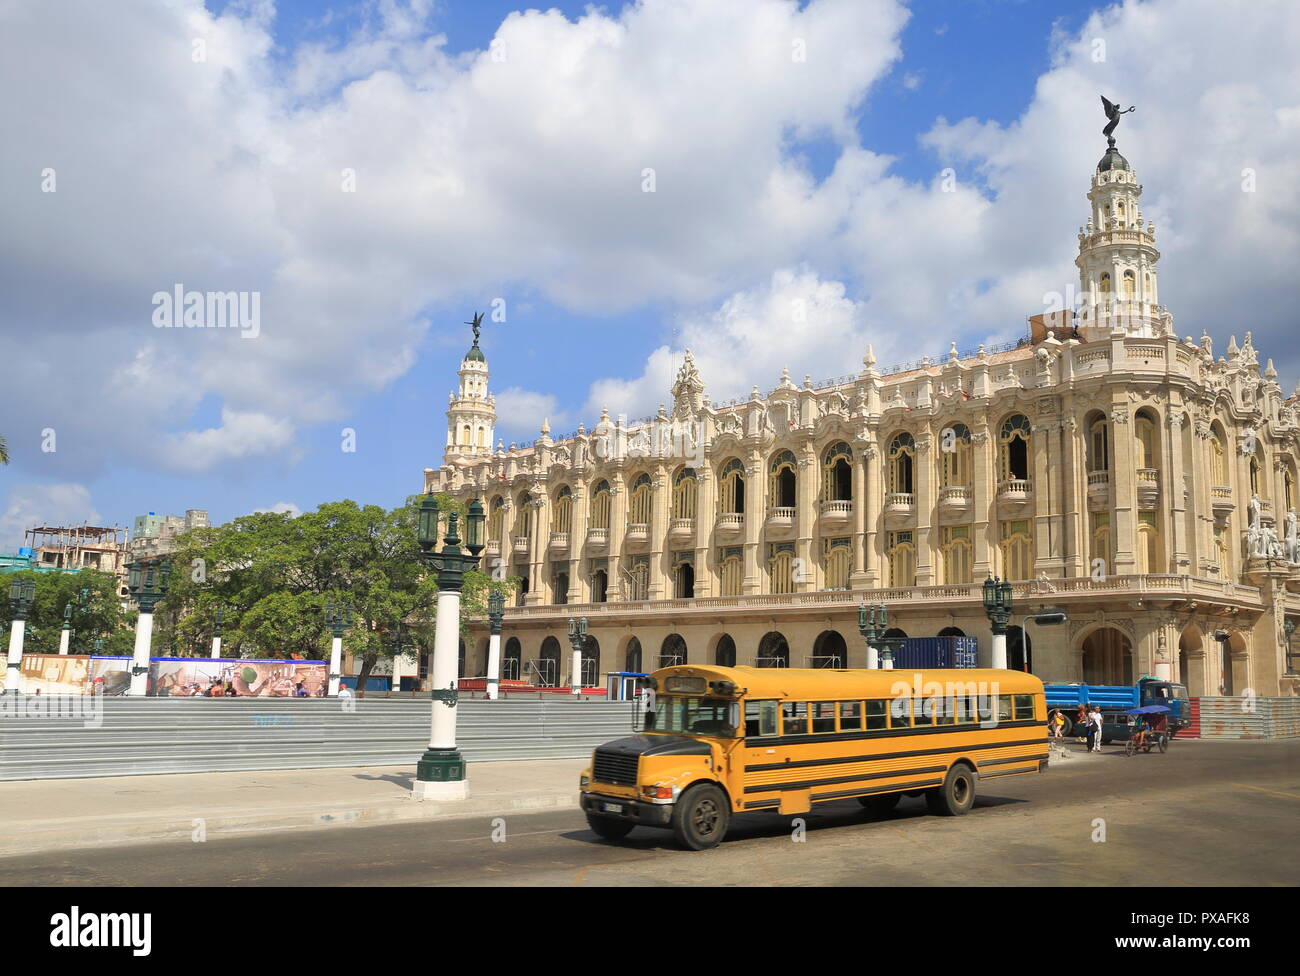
[(684, 715)]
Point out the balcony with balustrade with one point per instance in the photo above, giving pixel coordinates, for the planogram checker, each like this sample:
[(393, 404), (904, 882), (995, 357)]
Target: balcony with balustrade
[(900, 508), (1148, 488), (730, 525), (956, 500), (521, 545), (559, 542), (638, 532), (1015, 494), (598, 539), (1098, 490), (780, 517), (681, 530), (1221, 501), (836, 514)]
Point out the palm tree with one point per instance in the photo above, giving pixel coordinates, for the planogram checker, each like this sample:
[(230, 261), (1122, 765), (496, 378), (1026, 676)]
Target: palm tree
[(4, 451)]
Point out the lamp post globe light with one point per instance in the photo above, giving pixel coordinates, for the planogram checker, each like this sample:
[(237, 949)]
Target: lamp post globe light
[(496, 614), (440, 773), (577, 637), (21, 595), (870, 633), (216, 634), (997, 605), (338, 619), (147, 584)]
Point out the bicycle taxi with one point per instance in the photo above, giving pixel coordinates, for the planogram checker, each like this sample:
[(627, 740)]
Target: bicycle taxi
[(1148, 728)]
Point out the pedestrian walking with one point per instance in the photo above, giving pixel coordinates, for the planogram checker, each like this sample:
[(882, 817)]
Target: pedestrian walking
[(1057, 723), (1096, 728), (1083, 722), (344, 691)]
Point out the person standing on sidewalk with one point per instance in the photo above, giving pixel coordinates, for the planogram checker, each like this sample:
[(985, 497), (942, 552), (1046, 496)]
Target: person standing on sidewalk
[(1095, 718)]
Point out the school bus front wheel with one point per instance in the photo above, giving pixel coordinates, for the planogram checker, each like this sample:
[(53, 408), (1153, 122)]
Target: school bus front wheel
[(700, 817)]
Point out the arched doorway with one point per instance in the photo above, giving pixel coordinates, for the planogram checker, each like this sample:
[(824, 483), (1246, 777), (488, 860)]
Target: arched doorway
[(829, 651), (672, 651), (561, 594), (1020, 649), (1191, 660), (773, 651), (1234, 664), (590, 662), (952, 632), (510, 660), (599, 586), (548, 663), (1107, 658), (633, 658), (724, 655)]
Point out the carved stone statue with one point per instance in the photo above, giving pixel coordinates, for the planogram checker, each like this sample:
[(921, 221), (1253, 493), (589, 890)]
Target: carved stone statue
[(476, 324), (1113, 112), (1292, 537)]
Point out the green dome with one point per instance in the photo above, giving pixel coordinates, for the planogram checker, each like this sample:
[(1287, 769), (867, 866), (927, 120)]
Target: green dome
[(1112, 160), (475, 355)]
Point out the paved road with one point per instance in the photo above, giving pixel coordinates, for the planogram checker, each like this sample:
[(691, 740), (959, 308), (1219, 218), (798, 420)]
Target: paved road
[(1206, 813)]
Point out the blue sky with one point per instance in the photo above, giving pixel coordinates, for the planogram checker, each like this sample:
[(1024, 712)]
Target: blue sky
[(999, 65)]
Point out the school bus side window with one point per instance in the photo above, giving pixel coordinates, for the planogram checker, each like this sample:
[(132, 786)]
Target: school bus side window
[(850, 716), (1004, 708), (923, 710), (899, 713), (876, 712), (1024, 706), (823, 716), (760, 718), (794, 718)]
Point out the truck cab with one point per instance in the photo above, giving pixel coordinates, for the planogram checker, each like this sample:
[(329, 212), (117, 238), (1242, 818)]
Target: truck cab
[(1170, 694)]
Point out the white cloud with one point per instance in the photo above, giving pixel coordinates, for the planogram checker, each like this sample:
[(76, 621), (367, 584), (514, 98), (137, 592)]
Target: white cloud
[(240, 435), (281, 508), (31, 505)]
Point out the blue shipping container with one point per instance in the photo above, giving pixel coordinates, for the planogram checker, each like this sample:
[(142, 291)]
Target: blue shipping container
[(919, 653)]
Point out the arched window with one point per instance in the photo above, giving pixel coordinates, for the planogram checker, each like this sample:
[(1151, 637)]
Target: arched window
[(836, 562), (599, 586), (724, 655), (780, 571), (1013, 439), (1017, 549), (1218, 460), (900, 458), (510, 660), (563, 518), (958, 554), (1288, 490), (1144, 425), (1129, 285), (902, 559), (672, 651), (465, 438), (829, 651), (523, 517), (684, 581), (731, 488), (1099, 544), (548, 663), (590, 661), (684, 494), (773, 651), (1103, 284), (634, 657), (497, 520), (837, 473), (733, 574), (955, 457), (600, 505), (1148, 548), (1099, 444), (639, 501), (782, 481)]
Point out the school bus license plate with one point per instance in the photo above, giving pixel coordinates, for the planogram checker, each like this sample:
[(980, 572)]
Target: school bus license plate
[(612, 807)]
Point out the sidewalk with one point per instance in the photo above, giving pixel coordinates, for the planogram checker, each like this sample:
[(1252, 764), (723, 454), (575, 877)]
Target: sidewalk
[(63, 814)]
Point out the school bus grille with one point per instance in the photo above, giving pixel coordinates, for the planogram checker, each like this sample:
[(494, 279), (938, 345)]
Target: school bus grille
[(615, 768)]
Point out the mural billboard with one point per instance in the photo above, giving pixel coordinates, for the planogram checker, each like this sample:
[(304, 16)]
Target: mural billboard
[(190, 677)]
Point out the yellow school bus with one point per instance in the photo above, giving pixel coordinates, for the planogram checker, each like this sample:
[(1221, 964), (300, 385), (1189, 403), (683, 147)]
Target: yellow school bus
[(721, 741)]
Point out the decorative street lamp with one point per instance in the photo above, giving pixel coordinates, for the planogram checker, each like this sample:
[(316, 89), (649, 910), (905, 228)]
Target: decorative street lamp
[(338, 619), (65, 635), (440, 773), (872, 627), (21, 595), (496, 614), (216, 633), (147, 584), (1289, 628), (997, 604), (577, 636)]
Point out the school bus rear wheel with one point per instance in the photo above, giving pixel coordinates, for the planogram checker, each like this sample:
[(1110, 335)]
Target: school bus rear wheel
[(700, 817), (957, 794)]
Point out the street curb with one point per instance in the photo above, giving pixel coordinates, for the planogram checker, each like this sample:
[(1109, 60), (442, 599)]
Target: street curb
[(167, 827)]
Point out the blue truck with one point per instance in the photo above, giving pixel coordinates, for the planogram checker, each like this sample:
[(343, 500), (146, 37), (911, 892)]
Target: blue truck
[(1116, 700)]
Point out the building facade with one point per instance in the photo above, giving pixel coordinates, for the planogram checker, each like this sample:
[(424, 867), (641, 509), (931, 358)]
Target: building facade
[(1104, 465), (155, 535)]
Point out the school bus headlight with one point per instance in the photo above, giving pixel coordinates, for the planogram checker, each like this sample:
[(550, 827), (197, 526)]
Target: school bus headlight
[(584, 779), (660, 794)]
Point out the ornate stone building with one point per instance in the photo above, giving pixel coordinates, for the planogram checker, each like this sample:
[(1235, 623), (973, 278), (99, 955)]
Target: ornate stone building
[(1105, 465)]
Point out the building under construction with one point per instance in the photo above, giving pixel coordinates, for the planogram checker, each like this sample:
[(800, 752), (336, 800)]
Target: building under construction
[(74, 547)]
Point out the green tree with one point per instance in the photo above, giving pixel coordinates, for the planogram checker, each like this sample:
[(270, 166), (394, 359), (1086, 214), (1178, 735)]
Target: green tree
[(96, 615), (4, 451)]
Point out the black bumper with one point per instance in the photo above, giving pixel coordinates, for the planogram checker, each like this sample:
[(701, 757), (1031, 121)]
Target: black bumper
[(633, 811)]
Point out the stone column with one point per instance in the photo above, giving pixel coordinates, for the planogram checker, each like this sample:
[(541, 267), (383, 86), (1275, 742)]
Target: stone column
[(65, 639), (140, 656), (755, 512), (983, 529), (1074, 500), (706, 513), (617, 530), (858, 575), (806, 519), (13, 675), (660, 552), (336, 665), (927, 498), (873, 505), (578, 566), (1172, 491), (1123, 490), (539, 591)]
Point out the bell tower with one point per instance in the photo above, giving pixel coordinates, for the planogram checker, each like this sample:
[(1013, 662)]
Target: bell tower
[(471, 413), (1117, 258)]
